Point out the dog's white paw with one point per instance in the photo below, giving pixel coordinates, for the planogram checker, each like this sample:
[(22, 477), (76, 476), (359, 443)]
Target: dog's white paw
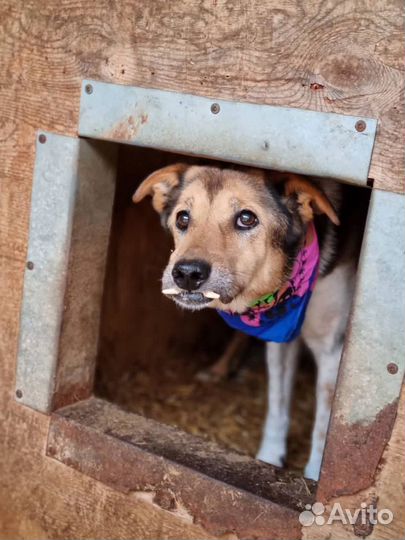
[(272, 453), (313, 468)]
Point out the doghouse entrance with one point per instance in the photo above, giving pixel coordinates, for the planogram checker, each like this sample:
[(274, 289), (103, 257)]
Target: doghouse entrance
[(151, 352), (148, 351)]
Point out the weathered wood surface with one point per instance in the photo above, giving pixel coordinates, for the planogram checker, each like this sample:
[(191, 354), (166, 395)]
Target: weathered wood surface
[(386, 492), (41, 498), (220, 490), (345, 57), (335, 56)]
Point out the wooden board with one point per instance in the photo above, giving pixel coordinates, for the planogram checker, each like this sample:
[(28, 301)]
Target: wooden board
[(387, 491), (334, 56), (223, 491), (41, 498)]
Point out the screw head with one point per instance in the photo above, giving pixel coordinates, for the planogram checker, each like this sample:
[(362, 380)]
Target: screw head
[(370, 182), (19, 394), (360, 125), (42, 138), (392, 368), (88, 88), (30, 265), (215, 108)]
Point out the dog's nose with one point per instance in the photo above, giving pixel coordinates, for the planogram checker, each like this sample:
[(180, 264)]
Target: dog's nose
[(190, 275)]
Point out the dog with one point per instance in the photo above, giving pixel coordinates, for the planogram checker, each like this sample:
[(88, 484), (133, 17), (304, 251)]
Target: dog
[(242, 236)]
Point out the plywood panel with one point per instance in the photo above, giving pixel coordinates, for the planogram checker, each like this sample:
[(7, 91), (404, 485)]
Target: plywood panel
[(336, 56), (222, 491), (41, 498)]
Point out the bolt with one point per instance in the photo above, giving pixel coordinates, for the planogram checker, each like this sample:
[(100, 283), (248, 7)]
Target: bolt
[(370, 182), (360, 125), (88, 89), (19, 394), (215, 108), (42, 138), (392, 368), (30, 265)]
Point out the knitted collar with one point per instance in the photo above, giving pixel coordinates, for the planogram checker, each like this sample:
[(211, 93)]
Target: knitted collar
[(279, 316)]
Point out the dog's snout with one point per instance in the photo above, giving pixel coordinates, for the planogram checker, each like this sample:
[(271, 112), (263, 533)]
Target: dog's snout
[(190, 275)]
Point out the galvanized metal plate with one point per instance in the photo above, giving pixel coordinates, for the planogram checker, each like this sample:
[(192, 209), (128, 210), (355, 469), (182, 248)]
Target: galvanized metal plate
[(294, 140), (373, 362), (52, 204), (71, 208), (376, 338)]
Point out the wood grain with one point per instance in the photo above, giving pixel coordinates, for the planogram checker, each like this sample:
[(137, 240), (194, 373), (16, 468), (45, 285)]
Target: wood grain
[(223, 491), (41, 498), (387, 491), (262, 51)]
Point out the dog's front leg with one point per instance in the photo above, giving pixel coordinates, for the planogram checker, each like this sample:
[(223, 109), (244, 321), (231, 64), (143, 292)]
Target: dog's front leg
[(281, 364), (327, 362)]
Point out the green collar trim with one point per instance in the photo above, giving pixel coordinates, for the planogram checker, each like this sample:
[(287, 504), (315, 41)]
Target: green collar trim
[(264, 300)]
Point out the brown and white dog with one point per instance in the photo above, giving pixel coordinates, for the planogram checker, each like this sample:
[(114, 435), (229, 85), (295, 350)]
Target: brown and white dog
[(237, 233)]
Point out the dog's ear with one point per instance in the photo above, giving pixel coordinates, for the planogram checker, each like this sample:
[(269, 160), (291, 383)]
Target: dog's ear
[(310, 198), (160, 185)]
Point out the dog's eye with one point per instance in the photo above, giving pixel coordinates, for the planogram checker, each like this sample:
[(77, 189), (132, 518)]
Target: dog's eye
[(246, 220), (182, 220)]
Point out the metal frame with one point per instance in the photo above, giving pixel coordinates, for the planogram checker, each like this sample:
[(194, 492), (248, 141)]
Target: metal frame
[(373, 361), (73, 179), (71, 208), (281, 138)]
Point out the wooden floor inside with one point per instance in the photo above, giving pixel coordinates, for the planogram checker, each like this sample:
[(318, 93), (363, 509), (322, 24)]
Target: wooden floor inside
[(230, 412)]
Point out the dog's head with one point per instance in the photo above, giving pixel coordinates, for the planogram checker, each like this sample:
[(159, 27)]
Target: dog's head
[(236, 233)]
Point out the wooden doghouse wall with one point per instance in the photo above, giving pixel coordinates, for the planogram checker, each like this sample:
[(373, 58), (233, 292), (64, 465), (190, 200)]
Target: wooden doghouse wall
[(335, 56)]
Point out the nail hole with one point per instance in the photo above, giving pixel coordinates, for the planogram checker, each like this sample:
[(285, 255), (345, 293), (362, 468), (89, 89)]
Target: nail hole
[(360, 125), (42, 138), (215, 108), (19, 394), (30, 265), (88, 88)]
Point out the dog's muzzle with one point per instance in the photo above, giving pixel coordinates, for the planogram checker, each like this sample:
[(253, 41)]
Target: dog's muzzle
[(189, 275), (194, 283)]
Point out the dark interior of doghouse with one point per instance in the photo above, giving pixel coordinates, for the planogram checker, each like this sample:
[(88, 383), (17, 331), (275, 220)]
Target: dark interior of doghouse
[(150, 351)]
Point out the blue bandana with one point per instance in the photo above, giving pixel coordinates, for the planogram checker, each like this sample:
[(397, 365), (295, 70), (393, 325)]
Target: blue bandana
[(279, 316)]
